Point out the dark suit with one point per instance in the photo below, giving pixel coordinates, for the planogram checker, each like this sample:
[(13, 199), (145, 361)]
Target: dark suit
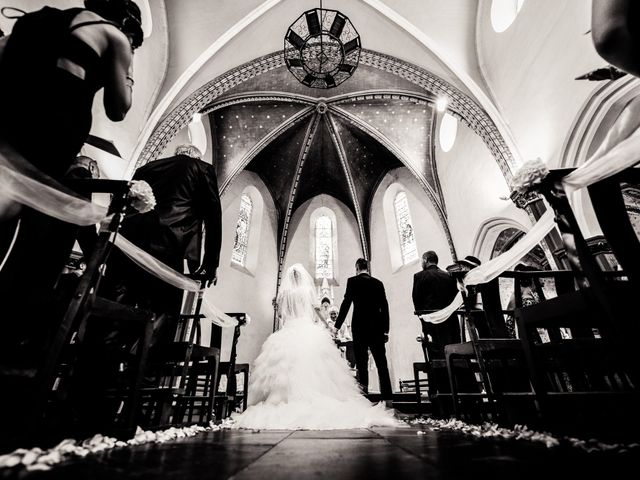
[(369, 325), (434, 289), (186, 192)]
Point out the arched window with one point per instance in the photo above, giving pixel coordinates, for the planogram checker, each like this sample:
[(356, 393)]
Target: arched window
[(408, 246), (324, 247), (241, 241)]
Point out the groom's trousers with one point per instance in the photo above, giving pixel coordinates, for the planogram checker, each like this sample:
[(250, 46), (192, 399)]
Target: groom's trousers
[(361, 347)]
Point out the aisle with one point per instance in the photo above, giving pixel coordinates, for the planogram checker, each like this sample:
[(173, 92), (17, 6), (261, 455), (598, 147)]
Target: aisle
[(376, 453)]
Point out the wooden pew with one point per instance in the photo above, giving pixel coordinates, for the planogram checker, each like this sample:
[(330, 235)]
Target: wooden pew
[(588, 383), (43, 394)]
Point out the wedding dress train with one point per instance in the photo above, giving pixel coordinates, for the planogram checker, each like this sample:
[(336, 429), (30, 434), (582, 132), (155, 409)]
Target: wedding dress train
[(300, 380)]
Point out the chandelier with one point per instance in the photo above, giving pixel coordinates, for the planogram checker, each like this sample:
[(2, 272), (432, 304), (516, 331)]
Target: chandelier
[(322, 48)]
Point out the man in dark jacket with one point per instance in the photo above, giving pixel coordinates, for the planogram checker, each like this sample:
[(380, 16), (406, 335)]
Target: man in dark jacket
[(369, 325), (186, 192), (434, 289)]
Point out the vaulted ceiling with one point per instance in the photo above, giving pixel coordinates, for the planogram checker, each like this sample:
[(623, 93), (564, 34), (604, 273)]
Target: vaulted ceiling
[(303, 144), (514, 89)]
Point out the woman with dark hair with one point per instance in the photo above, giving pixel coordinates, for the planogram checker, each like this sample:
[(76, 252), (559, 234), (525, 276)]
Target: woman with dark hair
[(51, 66)]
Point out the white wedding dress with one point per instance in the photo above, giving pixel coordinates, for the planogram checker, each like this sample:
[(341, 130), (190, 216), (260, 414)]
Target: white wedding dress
[(300, 381)]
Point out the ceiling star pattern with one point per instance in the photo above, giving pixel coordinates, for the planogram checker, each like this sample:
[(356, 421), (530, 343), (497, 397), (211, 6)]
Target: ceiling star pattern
[(375, 70), (237, 127), (276, 166), (405, 123), (307, 148)]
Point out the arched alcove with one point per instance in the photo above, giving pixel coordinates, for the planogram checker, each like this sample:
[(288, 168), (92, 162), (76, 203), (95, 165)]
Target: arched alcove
[(508, 237)]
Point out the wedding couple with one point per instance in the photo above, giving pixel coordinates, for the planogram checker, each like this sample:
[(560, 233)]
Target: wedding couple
[(300, 380)]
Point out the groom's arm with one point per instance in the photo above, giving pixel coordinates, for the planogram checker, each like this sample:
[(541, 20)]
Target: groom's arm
[(384, 309), (344, 308)]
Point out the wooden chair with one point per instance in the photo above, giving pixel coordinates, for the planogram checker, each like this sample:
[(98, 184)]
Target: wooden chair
[(185, 374), (416, 385), (583, 383), (198, 402), (437, 384), (495, 361), (608, 204), (231, 398), (588, 381), (37, 398), (419, 385)]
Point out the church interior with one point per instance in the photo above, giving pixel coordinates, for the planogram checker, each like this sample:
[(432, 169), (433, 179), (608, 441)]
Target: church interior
[(424, 135)]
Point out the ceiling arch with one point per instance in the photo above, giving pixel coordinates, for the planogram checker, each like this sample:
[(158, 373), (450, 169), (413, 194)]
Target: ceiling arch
[(382, 9), (459, 104), (420, 86)]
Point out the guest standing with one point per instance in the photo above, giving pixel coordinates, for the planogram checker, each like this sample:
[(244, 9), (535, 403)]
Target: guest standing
[(187, 198), (434, 289), (53, 63)]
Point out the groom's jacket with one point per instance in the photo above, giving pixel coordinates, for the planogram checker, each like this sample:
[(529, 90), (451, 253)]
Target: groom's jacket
[(370, 308)]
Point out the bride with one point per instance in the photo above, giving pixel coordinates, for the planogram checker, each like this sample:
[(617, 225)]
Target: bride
[(300, 381)]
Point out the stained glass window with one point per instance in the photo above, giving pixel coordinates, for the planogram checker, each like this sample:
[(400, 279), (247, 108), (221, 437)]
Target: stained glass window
[(405, 228), (241, 241), (324, 247)]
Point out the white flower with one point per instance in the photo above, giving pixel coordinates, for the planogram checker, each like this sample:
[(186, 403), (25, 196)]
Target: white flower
[(530, 174), (141, 196)]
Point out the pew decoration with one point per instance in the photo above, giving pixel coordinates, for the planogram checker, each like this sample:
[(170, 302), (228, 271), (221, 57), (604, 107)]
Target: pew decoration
[(532, 173), (154, 266), (496, 266), (603, 164), (21, 183), (168, 275), (141, 196), (218, 317)]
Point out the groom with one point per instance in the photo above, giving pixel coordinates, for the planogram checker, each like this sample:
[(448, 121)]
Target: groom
[(369, 325)]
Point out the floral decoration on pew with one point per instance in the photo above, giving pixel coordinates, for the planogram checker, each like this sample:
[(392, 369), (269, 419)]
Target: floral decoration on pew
[(38, 459), (521, 432), (141, 196), (530, 174)]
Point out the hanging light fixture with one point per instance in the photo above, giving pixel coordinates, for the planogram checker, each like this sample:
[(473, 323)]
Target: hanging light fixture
[(322, 48)]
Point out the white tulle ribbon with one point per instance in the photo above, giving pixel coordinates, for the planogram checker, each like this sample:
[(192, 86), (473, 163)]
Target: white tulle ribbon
[(168, 275), (50, 200), (20, 182), (624, 155), (217, 316), (496, 266), (154, 266), (603, 164), (442, 315)]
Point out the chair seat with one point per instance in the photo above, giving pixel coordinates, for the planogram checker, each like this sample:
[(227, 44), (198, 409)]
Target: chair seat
[(176, 351)]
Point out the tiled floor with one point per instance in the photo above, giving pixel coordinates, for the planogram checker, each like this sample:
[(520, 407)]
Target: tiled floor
[(370, 454)]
